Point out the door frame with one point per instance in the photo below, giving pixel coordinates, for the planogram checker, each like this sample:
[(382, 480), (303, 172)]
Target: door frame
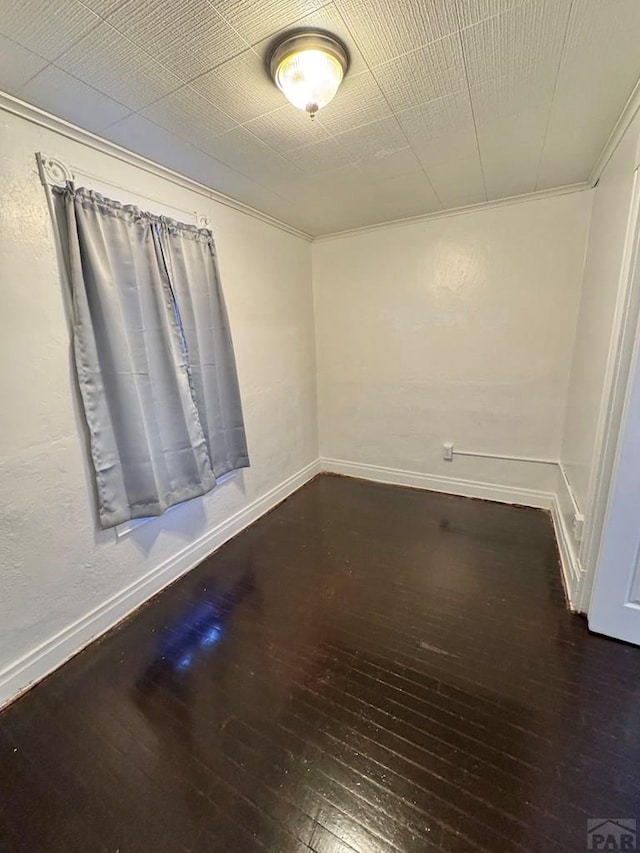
[(614, 608), (624, 339)]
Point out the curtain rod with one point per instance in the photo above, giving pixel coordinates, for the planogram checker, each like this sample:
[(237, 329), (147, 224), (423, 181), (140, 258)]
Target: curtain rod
[(56, 173)]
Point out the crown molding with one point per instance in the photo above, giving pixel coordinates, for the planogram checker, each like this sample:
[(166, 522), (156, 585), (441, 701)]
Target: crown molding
[(456, 211), (627, 115), (35, 115), (71, 131)]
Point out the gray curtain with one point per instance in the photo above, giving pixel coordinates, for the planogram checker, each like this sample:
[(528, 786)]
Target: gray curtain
[(153, 354)]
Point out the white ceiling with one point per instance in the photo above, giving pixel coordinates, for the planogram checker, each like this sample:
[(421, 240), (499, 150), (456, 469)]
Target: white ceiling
[(446, 103)]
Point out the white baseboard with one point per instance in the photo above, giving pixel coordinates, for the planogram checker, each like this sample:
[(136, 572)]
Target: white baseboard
[(433, 483), (570, 565), (41, 661)]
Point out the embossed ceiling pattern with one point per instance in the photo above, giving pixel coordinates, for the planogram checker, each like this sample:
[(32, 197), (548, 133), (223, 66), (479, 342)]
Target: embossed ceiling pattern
[(447, 102)]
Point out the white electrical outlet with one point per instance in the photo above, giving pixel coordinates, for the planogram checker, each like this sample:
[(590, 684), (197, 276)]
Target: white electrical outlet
[(447, 451)]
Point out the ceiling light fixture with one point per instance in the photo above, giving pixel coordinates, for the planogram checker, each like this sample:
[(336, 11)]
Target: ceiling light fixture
[(308, 67)]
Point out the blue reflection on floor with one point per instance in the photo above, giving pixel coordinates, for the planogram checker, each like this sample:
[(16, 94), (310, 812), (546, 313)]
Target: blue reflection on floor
[(199, 628)]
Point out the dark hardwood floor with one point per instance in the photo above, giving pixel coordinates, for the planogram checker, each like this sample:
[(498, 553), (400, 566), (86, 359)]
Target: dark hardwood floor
[(367, 668)]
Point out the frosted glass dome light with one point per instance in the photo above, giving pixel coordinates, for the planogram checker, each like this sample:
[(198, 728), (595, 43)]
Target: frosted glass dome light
[(308, 68)]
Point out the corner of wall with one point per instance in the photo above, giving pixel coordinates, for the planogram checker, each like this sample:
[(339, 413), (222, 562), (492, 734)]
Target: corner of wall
[(314, 302)]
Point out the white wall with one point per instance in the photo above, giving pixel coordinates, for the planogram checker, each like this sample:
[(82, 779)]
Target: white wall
[(56, 565), (455, 329), (600, 318)]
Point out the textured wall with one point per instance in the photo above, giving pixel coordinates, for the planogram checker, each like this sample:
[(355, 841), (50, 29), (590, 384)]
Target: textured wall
[(455, 329), (55, 564)]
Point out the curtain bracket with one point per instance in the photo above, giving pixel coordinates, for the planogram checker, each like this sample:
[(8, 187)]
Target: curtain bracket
[(53, 172)]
